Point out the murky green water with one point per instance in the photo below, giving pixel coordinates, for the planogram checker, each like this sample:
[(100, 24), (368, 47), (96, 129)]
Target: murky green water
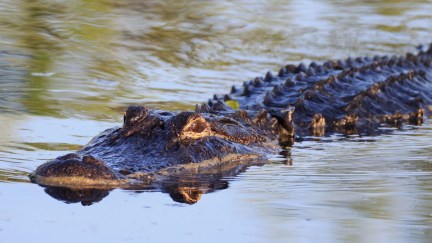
[(68, 69)]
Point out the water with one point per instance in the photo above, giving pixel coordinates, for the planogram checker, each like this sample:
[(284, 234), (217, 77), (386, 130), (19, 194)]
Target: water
[(68, 69)]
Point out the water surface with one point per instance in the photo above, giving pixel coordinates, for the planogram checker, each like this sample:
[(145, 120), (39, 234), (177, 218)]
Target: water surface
[(68, 69)]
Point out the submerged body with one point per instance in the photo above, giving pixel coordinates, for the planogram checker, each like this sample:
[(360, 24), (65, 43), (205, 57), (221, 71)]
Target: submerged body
[(347, 96)]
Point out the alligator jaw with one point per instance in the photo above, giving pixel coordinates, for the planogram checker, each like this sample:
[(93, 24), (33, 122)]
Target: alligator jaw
[(72, 170), (76, 182), (64, 173)]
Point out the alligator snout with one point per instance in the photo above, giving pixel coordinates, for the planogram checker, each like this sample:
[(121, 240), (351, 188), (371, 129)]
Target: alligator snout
[(74, 170)]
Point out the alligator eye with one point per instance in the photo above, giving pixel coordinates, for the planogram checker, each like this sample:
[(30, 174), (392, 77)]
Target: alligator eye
[(196, 127)]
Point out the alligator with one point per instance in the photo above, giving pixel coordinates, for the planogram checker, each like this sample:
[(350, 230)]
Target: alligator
[(239, 129)]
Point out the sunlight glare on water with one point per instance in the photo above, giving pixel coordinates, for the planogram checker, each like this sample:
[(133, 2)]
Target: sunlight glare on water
[(69, 68)]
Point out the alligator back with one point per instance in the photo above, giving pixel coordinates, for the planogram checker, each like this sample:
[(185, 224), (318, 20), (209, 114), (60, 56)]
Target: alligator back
[(345, 93)]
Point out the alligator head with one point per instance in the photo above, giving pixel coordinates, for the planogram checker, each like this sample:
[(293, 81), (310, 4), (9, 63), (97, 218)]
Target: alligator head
[(153, 143)]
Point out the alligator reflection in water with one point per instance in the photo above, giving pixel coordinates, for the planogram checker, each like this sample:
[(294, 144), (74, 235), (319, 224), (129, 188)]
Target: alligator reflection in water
[(187, 188), (182, 191)]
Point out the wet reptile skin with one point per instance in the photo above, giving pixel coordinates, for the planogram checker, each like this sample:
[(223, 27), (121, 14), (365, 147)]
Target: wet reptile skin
[(356, 95)]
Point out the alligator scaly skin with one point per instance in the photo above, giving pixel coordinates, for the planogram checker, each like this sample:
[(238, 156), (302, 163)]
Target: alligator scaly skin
[(355, 95), (383, 89)]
